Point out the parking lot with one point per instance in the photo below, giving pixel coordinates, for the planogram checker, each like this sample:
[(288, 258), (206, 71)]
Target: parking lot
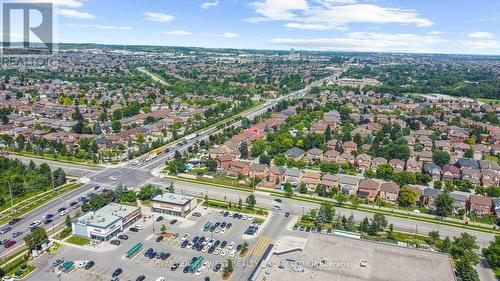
[(216, 247), (327, 257)]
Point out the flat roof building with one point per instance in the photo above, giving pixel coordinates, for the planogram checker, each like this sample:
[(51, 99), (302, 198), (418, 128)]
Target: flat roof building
[(173, 204), (106, 222)]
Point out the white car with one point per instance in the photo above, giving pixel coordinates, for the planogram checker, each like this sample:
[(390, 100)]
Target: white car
[(185, 236), (204, 265), (139, 226), (199, 271), (217, 230), (230, 246), (81, 264), (223, 252), (35, 224), (63, 213), (244, 218), (189, 245), (161, 278), (216, 251), (205, 249), (232, 253), (223, 230), (113, 178), (8, 278)]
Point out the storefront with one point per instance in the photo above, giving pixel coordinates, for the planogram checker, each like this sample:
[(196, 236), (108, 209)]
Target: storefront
[(173, 204)]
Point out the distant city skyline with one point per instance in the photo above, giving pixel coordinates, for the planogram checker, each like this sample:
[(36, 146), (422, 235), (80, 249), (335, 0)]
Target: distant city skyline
[(324, 25)]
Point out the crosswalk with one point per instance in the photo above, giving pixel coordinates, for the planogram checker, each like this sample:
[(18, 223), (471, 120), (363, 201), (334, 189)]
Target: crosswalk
[(261, 245)]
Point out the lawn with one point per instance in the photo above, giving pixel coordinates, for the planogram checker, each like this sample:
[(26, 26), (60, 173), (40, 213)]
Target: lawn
[(16, 265), (77, 240), (233, 207)]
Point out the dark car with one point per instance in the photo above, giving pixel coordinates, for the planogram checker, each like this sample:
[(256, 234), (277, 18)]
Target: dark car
[(149, 251), (159, 238), (175, 266), (217, 243), (184, 244), (14, 221), (117, 272), (217, 224), (123, 237), (47, 221), (140, 278), (72, 204), (217, 267), (277, 200), (173, 221), (89, 264), (159, 219), (49, 216), (134, 229), (164, 256), (207, 278), (238, 248), (226, 214), (61, 209), (115, 242), (308, 229), (223, 244), (228, 226), (287, 214), (212, 228), (152, 255), (223, 224), (186, 269)]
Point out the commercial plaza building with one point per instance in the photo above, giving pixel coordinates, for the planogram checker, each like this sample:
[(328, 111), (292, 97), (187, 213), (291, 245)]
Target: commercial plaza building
[(106, 222), (173, 204)]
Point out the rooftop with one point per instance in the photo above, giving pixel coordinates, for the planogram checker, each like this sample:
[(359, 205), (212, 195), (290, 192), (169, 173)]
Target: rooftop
[(174, 198)]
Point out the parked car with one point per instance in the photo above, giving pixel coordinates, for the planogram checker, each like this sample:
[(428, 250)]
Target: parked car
[(47, 221), (14, 221), (9, 243), (173, 221), (16, 234), (5, 229), (35, 224), (174, 266), (196, 214), (287, 214), (141, 278), (57, 262), (115, 242), (117, 272), (123, 237), (159, 238), (89, 264), (134, 229), (159, 219)]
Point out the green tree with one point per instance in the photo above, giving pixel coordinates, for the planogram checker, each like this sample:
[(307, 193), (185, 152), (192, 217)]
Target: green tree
[(67, 221), (364, 225), (340, 197), (433, 237), (446, 245), (250, 201), (36, 238), (328, 133), (444, 204), (116, 126), (464, 247), (466, 271), (492, 253), (440, 157), (407, 197), (288, 189), (163, 228)]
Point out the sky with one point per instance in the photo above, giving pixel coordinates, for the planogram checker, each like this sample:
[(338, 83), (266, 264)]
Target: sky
[(417, 26)]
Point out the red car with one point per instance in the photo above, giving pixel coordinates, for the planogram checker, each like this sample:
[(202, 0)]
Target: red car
[(9, 243)]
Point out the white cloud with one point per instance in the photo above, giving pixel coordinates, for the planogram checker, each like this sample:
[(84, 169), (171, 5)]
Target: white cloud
[(336, 14), (178, 32), (66, 3), (435, 32), (225, 34), (74, 14), (278, 9), (159, 17), (98, 26), (481, 35), (208, 5), (306, 26), (366, 41), (480, 44)]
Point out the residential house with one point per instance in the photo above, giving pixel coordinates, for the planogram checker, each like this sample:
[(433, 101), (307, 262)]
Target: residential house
[(314, 154), (480, 205), (332, 144), (368, 189), (479, 150), (425, 156), (311, 179), (397, 165), (329, 182), (460, 148), (467, 162), (216, 152), (471, 174), (224, 161), (293, 176), (461, 198), (349, 147), (239, 167), (429, 196), (450, 172), (378, 161), (294, 153), (331, 156), (433, 170), (490, 177), (363, 161), (489, 165), (414, 166), (258, 170), (349, 184), (276, 174), (389, 191), (496, 206)]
